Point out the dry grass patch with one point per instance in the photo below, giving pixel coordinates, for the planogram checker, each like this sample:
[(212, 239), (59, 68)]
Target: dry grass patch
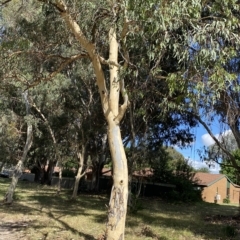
[(38, 213)]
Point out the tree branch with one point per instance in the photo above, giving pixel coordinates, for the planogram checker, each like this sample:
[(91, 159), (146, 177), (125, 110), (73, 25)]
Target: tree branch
[(5, 2), (42, 54), (108, 62), (45, 120), (91, 50), (231, 157), (53, 74), (125, 104)]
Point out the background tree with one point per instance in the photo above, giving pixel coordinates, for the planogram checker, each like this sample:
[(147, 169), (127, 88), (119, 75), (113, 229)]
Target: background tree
[(203, 170), (230, 171), (18, 168)]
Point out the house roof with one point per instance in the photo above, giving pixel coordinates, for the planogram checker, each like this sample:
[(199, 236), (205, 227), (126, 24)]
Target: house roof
[(206, 179), (147, 172)]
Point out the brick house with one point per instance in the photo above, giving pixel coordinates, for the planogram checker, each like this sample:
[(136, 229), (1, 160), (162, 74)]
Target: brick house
[(213, 184)]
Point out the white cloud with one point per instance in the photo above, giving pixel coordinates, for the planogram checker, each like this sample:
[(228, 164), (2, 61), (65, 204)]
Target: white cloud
[(226, 132), (197, 164), (215, 168), (208, 141)]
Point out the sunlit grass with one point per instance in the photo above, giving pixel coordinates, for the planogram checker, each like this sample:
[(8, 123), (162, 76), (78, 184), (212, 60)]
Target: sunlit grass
[(51, 216)]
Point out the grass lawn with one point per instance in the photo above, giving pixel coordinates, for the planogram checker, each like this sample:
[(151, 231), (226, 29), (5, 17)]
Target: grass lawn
[(37, 213)]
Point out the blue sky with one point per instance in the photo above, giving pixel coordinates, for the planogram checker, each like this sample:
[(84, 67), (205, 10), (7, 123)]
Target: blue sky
[(202, 138)]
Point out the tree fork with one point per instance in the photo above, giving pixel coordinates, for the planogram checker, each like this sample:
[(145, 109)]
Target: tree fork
[(113, 114)]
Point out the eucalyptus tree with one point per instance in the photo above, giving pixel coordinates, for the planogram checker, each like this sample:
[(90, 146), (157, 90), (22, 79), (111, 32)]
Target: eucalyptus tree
[(213, 77), (82, 106), (10, 128), (230, 171), (214, 154), (106, 32), (18, 168)]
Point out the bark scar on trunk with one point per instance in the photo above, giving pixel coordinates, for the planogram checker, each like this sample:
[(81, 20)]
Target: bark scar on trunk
[(116, 209)]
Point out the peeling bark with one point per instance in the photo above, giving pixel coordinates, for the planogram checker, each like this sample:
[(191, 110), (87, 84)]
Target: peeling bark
[(119, 195)]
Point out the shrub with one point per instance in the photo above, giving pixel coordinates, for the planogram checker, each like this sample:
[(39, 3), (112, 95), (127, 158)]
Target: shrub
[(135, 205), (226, 200), (68, 173)]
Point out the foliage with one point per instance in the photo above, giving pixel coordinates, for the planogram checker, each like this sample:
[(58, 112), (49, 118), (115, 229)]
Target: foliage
[(136, 204), (177, 53), (183, 180), (68, 173), (231, 172), (203, 170), (214, 151), (226, 200), (168, 169)]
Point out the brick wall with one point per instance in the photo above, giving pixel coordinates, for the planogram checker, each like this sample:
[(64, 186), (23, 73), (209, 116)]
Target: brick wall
[(209, 193), (234, 194)]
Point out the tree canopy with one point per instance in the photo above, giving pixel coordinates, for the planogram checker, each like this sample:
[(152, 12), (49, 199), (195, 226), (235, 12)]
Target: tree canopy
[(159, 68)]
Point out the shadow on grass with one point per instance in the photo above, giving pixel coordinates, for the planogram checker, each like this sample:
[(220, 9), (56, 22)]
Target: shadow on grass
[(185, 217), (20, 208), (34, 199), (43, 199)]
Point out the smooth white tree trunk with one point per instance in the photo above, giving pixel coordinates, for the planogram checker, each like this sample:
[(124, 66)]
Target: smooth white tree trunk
[(18, 169), (113, 111), (1, 166), (79, 173), (119, 195), (59, 179)]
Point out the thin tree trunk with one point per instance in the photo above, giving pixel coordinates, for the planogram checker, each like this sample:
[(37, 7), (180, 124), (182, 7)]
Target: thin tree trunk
[(77, 180), (59, 179), (94, 177), (79, 173), (18, 169), (1, 167), (48, 173), (100, 164), (58, 156), (132, 159)]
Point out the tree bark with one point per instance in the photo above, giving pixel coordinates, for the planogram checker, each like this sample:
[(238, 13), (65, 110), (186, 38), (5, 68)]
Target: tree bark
[(119, 195), (48, 178), (1, 166), (79, 173), (59, 179), (97, 170), (18, 169), (113, 114)]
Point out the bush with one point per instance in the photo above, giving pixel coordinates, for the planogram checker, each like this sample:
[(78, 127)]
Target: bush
[(226, 200), (68, 173), (135, 205)]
